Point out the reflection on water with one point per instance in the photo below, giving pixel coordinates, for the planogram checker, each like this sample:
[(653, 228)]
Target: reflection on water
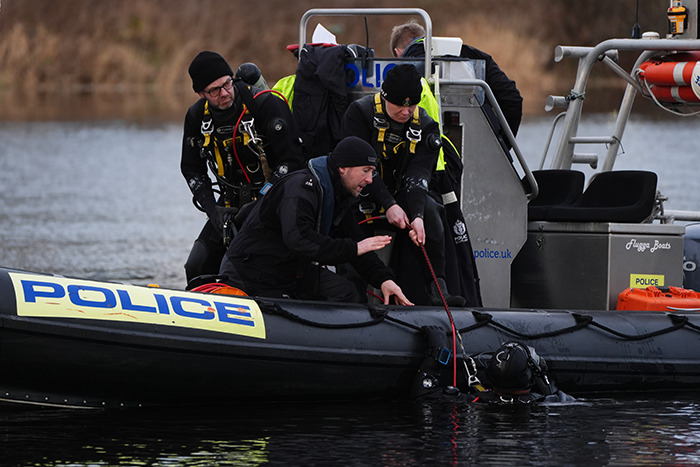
[(592, 432)]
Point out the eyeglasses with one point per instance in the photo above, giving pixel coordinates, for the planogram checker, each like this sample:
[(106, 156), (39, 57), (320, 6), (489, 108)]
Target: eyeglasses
[(215, 91)]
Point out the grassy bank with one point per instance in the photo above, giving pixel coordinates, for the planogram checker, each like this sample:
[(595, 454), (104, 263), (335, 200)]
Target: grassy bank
[(138, 51)]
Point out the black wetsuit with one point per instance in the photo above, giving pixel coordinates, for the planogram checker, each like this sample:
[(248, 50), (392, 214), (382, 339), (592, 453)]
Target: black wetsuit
[(528, 379), (542, 387), (240, 173), (401, 173), (403, 179)]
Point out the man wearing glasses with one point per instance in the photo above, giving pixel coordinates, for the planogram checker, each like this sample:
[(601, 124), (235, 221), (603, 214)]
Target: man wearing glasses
[(246, 137)]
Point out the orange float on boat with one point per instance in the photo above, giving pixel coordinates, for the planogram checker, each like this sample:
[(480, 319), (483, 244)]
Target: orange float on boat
[(670, 70), (675, 93), (674, 77)]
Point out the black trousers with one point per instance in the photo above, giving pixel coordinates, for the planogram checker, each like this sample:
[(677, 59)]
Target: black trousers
[(314, 282), (206, 253)]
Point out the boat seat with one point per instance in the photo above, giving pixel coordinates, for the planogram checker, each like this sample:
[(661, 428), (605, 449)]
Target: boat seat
[(557, 187), (615, 196)]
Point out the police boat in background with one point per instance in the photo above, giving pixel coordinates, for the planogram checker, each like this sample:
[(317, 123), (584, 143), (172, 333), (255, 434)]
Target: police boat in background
[(74, 342)]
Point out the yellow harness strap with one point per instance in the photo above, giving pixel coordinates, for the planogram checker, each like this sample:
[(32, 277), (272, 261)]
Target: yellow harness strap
[(414, 132), (379, 111), (415, 123), (207, 125), (207, 129)]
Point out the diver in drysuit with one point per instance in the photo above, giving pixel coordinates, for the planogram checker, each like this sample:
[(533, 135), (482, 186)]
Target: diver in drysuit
[(513, 374)]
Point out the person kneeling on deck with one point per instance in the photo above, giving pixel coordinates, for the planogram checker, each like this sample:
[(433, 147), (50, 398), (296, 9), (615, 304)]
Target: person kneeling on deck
[(304, 222), (407, 142)]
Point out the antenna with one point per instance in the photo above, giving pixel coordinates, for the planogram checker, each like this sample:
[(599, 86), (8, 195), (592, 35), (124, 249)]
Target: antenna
[(636, 29), (367, 33), (367, 53)]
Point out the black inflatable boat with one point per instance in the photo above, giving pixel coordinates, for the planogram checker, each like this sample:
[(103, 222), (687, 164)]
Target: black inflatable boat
[(83, 343)]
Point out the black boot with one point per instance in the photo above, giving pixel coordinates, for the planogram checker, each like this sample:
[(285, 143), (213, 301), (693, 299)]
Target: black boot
[(452, 300)]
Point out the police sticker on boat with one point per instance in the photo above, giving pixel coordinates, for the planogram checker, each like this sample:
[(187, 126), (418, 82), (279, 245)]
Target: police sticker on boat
[(59, 297), (641, 281)]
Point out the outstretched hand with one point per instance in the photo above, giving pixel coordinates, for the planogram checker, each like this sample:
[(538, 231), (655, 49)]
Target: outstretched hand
[(372, 244), (390, 288)]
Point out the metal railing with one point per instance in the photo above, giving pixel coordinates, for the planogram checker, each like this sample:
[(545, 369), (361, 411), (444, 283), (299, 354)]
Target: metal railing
[(588, 56), (428, 24)]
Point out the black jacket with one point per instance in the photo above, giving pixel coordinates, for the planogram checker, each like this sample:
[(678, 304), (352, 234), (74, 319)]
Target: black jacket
[(282, 236), (320, 97), (504, 89)]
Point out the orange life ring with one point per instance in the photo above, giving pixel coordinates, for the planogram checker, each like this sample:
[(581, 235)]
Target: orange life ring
[(670, 78)]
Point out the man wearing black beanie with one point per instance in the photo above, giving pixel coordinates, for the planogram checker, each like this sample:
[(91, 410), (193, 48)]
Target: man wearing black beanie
[(407, 142), (306, 221), (245, 136)]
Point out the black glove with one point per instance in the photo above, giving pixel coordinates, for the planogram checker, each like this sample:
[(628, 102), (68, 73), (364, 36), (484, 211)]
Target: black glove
[(215, 213), (221, 215)]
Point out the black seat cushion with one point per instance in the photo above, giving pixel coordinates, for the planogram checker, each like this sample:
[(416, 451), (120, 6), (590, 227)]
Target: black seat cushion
[(615, 196), (556, 188)]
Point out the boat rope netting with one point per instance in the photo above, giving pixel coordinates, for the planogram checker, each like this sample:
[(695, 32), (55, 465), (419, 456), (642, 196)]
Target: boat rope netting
[(583, 321), (379, 314), (276, 309)]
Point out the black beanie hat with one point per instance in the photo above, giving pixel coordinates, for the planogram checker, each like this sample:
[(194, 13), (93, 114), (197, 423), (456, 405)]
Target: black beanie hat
[(206, 68), (402, 85), (353, 152)]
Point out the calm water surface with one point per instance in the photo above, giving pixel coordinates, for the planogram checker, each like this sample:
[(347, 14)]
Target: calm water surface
[(102, 201), (106, 201), (597, 431)]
